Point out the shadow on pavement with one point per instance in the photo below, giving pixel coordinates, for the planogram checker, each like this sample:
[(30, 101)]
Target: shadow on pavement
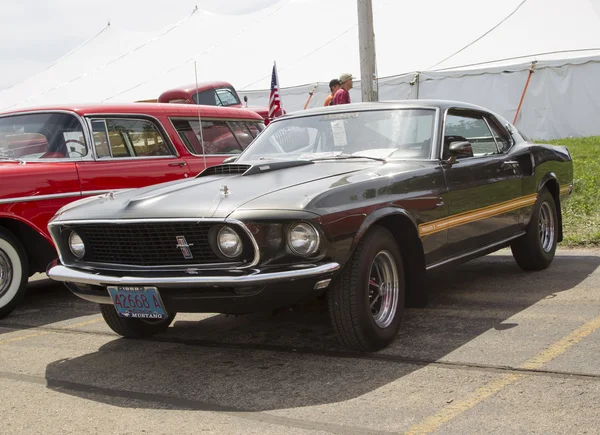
[(46, 302), (228, 363)]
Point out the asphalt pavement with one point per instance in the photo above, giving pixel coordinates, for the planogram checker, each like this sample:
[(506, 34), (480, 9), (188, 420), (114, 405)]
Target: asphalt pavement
[(497, 351)]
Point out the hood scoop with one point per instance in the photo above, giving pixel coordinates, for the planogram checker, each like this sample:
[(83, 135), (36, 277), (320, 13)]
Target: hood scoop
[(252, 168), (226, 169)]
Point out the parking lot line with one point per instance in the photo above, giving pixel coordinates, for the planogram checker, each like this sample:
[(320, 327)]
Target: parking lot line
[(38, 334), (455, 409)]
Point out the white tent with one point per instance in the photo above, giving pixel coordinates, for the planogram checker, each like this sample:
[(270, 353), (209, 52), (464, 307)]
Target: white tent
[(472, 50)]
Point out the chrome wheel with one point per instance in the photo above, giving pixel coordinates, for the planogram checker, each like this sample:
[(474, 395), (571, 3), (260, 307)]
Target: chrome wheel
[(546, 227), (6, 272), (383, 289)]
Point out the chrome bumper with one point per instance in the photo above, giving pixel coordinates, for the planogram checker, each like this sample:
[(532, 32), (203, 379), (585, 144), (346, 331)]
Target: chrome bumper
[(67, 274)]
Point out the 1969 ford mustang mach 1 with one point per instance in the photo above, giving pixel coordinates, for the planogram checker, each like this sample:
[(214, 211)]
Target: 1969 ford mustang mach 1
[(356, 201)]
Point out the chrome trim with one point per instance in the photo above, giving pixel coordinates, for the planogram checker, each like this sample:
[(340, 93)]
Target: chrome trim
[(39, 197), (475, 251), (66, 274), (254, 262), (57, 196), (84, 127)]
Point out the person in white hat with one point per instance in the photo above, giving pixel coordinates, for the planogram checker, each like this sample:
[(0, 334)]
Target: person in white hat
[(342, 96)]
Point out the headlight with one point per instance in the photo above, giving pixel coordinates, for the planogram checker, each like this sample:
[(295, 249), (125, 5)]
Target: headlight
[(229, 242), (303, 239), (76, 245)]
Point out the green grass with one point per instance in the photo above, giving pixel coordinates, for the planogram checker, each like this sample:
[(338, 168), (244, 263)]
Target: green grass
[(581, 212)]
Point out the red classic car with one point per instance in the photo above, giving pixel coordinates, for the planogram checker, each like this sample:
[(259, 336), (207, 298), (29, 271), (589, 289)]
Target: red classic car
[(52, 156), (210, 94)]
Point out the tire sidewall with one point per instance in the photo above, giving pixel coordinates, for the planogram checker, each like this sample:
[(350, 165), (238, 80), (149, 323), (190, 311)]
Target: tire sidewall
[(16, 255), (379, 240)]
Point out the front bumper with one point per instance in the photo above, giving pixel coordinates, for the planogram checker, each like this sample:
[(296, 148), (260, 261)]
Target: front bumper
[(231, 292)]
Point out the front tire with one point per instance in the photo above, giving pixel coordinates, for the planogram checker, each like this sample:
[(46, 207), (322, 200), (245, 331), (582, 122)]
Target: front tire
[(14, 272), (536, 249), (134, 328), (366, 303)]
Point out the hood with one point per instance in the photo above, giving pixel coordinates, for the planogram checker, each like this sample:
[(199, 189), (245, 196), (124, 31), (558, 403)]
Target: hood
[(207, 195)]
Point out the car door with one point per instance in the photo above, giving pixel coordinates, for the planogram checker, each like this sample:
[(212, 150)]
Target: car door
[(485, 189), (130, 152)]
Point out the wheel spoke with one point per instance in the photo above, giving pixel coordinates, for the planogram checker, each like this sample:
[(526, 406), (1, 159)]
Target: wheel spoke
[(375, 299)]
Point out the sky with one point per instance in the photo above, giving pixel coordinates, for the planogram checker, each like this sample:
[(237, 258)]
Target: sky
[(35, 33)]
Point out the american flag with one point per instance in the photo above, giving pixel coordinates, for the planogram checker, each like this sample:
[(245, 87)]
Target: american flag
[(274, 99)]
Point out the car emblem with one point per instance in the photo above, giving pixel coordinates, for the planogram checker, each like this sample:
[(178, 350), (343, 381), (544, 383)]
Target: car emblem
[(185, 247)]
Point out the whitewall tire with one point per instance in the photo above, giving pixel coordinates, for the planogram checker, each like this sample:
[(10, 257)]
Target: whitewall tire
[(13, 272)]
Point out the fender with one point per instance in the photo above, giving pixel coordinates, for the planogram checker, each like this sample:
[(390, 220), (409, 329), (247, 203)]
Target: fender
[(549, 176), (378, 215), (45, 235)]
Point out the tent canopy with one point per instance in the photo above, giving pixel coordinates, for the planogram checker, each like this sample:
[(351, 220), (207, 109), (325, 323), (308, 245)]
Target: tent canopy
[(312, 41)]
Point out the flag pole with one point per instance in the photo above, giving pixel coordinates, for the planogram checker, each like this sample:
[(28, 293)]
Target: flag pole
[(278, 89)]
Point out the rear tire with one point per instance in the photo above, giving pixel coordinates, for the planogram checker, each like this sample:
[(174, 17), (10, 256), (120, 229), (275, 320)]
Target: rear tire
[(14, 272), (366, 303), (536, 249), (134, 328)]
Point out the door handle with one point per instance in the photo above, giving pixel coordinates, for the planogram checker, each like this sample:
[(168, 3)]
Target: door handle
[(180, 164)]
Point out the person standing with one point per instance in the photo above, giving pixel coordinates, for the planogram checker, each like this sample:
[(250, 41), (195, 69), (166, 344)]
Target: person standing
[(342, 96), (334, 85)]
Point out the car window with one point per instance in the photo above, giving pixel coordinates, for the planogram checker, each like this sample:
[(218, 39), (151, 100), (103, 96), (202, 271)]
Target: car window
[(242, 133), (226, 97), (472, 128), (255, 128), (42, 136), (119, 138), (395, 133), (217, 136), (206, 98), (501, 135)]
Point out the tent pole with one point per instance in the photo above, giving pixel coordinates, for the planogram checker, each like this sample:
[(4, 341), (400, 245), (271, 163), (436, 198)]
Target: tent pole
[(310, 94), (524, 90)]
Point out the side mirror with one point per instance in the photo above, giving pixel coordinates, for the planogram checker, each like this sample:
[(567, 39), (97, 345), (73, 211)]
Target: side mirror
[(459, 149), (246, 100), (230, 159)]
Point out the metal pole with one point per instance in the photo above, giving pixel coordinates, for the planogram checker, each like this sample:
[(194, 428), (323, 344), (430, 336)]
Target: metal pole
[(366, 46), (524, 91)]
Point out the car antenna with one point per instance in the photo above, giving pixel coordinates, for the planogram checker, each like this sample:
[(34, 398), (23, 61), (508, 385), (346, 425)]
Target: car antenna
[(199, 119)]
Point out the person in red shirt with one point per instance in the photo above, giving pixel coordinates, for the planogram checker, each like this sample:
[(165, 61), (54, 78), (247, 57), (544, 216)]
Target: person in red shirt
[(334, 85), (342, 96)]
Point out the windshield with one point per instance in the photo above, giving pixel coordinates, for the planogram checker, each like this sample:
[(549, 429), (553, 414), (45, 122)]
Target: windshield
[(41, 136), (397, 133)]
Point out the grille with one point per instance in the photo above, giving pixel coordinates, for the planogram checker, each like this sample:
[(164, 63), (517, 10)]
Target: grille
[(225, 169), (152, 244)]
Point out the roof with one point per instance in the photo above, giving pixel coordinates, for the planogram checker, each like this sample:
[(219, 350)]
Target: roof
[(378, 105), (191, 88), (152, 109)]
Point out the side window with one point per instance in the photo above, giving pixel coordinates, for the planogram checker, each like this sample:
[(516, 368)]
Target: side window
[(242, 133), (501, 135), (225, 97), (218, 137), (255, 128), (472, 128), (120, 138)]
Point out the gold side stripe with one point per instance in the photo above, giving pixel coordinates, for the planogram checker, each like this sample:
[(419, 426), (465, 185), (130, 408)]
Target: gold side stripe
[(565, 189), (475, 215)]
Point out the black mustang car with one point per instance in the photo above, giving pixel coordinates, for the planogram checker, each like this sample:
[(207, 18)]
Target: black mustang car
[(356, 201)]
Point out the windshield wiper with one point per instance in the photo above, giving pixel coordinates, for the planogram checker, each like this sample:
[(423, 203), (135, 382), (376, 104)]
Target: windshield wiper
[(347, 157)]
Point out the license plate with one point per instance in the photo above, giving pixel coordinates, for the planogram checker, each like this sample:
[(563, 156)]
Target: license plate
[(137, 302)]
